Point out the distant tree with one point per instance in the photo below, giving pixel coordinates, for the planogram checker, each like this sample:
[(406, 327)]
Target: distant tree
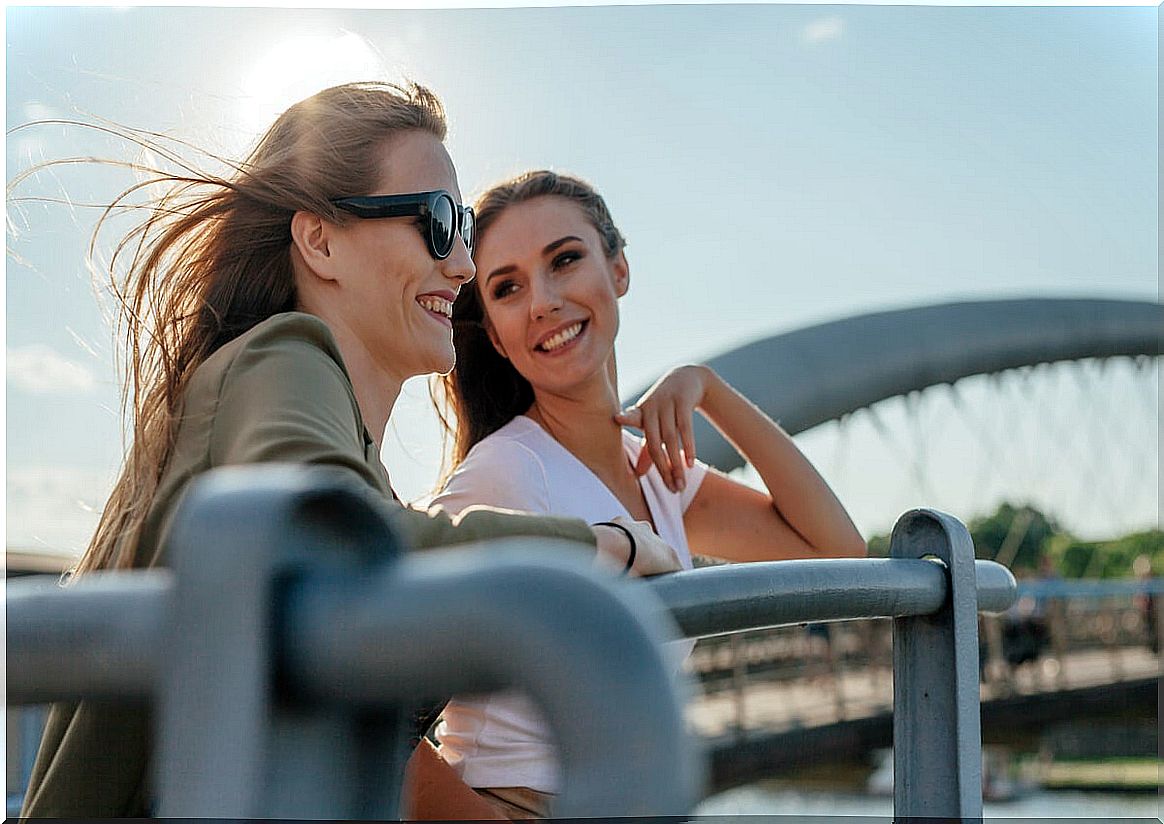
[(1106, 559), (1013, 535), (879, 546), (1024, 535)]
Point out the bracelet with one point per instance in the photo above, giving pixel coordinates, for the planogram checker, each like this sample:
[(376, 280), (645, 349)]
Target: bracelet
[(630, 561)]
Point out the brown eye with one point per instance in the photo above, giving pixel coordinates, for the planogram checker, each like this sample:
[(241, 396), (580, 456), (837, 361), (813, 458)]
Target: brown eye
[(501, 290), (566, 258)]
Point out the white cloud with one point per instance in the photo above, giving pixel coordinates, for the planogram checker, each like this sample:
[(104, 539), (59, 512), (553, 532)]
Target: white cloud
[(53, 507), (826, 28), (36, 110), (42, 371)]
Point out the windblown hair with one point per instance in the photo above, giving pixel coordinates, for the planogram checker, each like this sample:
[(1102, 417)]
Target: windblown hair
[(212, 259), (484, 391)]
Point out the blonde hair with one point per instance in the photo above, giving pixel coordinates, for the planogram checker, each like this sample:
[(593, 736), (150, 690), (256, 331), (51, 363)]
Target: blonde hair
[(213, 258)]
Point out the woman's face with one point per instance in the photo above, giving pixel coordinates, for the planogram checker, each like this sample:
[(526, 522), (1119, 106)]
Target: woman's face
[(399, 302), (550, 293)]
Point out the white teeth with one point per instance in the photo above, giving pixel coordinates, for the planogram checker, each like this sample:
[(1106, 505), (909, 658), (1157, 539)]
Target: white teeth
[(435, 304), (565, 336)]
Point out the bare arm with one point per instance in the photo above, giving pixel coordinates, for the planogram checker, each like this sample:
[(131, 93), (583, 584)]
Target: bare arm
[(799, 517), (434, 791)]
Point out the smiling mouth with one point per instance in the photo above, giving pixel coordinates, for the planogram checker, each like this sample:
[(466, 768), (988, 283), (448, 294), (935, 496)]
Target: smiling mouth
[(439, 308), (556, 342)]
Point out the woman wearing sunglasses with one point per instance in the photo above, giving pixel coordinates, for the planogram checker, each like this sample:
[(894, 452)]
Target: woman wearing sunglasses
[(272, 315), (533, 408)]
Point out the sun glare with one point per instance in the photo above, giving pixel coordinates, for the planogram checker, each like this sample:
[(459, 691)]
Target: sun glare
[(297, 67)]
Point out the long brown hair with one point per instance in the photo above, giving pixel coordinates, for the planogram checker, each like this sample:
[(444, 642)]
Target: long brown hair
[(213, 258), (484, 391)]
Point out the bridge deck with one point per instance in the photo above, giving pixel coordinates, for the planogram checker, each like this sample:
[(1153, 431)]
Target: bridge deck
[(772, 706)]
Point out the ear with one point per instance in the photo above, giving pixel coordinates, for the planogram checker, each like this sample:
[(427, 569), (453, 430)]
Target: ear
[(621, 270), (311, 235)]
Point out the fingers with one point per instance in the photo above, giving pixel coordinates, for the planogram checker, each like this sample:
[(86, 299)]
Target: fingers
[(667, 429), (632, 417), (688, 435), (643, 463), (655, 448), (669, 433), (654, 556)]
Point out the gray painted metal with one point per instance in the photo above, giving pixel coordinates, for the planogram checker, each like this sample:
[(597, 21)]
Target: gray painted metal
[(724, 599), (452, 625), (937, 734), (816, 374), (272, 561), (292, 634), (230, 744), (99, 637), (48, 630)]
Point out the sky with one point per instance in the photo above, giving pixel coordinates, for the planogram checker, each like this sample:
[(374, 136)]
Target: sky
[(772, 166)]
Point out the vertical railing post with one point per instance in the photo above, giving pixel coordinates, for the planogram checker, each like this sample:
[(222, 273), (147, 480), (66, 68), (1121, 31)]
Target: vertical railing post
[(937, 735), (739, 683), (230, 745)]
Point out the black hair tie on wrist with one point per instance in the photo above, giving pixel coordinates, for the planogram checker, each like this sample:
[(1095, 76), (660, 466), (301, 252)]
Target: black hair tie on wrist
[(630, 561)]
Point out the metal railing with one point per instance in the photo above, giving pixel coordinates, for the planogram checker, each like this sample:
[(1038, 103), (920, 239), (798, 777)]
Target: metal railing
[(286, 646), (291, 625), (1064, 634), (932, 588)]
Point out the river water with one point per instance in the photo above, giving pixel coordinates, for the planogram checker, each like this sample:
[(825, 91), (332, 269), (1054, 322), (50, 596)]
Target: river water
[(779, 798)]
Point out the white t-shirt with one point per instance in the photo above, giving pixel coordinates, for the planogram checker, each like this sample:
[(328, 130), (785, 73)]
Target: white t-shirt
[(501, 739)]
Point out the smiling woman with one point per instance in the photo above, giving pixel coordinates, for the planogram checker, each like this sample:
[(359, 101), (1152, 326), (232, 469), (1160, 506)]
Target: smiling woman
[(535, 387), (266, 323)]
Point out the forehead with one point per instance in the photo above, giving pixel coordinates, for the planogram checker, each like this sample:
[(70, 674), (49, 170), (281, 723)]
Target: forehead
[(416, 161), (525, 228)]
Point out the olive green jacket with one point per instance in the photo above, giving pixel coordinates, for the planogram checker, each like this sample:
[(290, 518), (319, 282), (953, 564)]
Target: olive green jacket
[(280, 392)]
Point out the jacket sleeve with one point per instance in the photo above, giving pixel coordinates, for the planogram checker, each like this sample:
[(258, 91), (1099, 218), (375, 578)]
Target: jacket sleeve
[(436, 528), (287, 399), (291, 401)]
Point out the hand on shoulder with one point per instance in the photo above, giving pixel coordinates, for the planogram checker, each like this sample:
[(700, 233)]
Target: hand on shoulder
[(664, 414)]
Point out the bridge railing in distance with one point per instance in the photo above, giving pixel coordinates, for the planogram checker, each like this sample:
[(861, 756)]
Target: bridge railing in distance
[(932, 588), (1075, 633), (286, 648)]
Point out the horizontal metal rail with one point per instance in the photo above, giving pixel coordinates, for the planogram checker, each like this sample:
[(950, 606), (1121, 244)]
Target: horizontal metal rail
[(432, 627), (292, 618), (724, 599), (284, 654), (1057, 588), (103, 639), (99, 638)]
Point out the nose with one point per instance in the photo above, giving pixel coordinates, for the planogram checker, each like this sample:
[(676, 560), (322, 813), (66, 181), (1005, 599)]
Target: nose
[(544, 297), (459, 265)]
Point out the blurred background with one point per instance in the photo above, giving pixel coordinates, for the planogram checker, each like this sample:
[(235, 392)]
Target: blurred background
[(773, 168)]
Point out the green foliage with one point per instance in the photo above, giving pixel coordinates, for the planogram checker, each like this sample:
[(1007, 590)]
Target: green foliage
[(1106, 559), (1013, 535), (879, 546), (1027, 536)]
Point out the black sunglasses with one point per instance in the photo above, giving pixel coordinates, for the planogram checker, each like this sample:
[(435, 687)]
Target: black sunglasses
[(443, 218)]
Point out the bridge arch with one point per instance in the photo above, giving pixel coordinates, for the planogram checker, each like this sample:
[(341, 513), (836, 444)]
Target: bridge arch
[(820, 373)]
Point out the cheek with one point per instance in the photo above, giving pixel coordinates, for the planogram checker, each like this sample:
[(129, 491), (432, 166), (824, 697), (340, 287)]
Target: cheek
[(498, 336)]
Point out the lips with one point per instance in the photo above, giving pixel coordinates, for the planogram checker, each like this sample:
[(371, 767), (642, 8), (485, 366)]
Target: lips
[(561, 337), (439, 305)]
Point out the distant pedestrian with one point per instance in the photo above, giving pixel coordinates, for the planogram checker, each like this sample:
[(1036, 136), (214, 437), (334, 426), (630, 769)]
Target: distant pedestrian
[(1148, 602)]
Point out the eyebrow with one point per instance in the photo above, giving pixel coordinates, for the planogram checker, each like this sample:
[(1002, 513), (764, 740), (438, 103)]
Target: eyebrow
[(546, 250)]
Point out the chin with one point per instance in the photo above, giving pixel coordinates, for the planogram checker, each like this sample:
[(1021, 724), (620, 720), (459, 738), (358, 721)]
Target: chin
[(443, 364)]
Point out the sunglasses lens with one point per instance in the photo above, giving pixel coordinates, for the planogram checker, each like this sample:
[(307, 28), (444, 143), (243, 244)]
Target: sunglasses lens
[(468, 228), (441, 223)]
